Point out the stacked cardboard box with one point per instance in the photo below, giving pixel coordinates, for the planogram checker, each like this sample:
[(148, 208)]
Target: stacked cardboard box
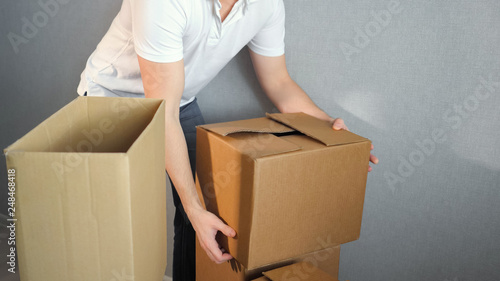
[(288, 184), (297, 269), (326, 260), (90, 192)]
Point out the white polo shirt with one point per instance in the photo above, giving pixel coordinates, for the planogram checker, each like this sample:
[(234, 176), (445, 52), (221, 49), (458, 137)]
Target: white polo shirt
[(170, 30)]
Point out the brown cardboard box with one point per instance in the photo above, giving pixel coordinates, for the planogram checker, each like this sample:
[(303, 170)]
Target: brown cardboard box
[(90, 192), (288, 184), (299, 271), (326, 260)]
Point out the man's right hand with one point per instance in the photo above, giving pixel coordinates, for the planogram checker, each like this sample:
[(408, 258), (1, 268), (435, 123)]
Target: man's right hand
[(206, 226), (166, 81)]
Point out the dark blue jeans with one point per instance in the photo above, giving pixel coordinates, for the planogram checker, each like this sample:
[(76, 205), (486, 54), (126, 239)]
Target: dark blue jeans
[(184, 266)]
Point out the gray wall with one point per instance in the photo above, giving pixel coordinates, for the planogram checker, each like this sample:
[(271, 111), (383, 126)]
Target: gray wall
[(423, 86)]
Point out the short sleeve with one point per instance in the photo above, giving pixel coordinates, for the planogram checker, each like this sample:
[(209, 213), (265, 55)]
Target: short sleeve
[(158, 27), (270, 40)]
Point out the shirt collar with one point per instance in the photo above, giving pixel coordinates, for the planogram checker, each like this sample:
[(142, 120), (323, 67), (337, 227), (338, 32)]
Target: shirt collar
[(245, 4)]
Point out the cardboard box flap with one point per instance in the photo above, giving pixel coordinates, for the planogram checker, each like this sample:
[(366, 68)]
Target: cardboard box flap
[(315, 128), (266, 145), (256, 125), (303, 270)]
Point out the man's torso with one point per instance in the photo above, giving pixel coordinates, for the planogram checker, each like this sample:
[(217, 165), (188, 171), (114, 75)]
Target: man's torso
[(208, 44)]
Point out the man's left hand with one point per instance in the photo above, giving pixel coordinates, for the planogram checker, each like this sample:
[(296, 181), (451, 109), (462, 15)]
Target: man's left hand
[(338, 124)]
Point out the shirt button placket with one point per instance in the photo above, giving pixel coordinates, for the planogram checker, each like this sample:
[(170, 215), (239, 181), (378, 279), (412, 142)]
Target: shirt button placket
[(215, 30)]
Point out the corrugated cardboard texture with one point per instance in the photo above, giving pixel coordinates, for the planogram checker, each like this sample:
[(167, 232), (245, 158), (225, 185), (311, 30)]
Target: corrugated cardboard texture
[(90, 196), (327, 260), (284, 194)]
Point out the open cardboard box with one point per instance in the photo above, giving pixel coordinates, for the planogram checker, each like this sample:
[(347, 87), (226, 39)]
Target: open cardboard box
[(90, 192), (288, 184)]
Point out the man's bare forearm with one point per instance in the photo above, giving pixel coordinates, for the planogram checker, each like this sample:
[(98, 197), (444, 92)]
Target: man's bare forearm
[(289, 97), (166, 81), (177, 165), (285, 94)]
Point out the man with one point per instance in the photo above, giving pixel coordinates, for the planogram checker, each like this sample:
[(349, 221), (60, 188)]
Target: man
[(171, 49)]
